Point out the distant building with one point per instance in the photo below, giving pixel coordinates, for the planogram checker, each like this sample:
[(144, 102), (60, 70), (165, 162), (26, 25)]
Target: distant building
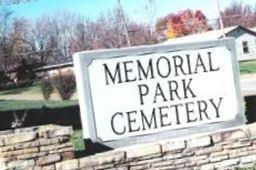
[(55, 69), (245, 40)]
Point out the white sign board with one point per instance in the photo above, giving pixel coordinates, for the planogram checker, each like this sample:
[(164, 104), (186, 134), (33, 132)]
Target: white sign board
[(148, 91)]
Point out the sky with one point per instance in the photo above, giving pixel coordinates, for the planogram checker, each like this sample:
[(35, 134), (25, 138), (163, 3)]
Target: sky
[(135, 9)]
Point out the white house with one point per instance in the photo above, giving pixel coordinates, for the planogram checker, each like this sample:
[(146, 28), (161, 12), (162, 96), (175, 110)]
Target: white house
[(245, 40)]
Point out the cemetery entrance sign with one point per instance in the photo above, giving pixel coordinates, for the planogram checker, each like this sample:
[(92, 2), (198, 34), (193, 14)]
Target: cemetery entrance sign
[(142, 94)]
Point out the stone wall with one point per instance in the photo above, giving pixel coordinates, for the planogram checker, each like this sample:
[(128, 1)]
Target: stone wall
[(35, 147), (49, 148), (220, 150)]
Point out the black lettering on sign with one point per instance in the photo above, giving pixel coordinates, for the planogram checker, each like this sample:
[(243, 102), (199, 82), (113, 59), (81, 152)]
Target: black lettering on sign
[(176, 106), (143, 91), (190, 112), (187, 89), (202, 109), (159, 93), (128, 71), (178, 65), (148, 124), (159, 67), (113, 123), (166, 115), (132, 121), (188, 64), (116, 77), (210, 63), (216, 107), (173, 88), (145, 73), (200, 64)]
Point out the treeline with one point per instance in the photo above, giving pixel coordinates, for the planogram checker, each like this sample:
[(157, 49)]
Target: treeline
[(51, 38)]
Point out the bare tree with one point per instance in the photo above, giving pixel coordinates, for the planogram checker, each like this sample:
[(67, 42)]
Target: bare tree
[(150, 10), (141, 34), (57, 37), (53, 36), (39, 37), (19, 41), (238, 13), (107, 32), (5, 18), (123, 22)]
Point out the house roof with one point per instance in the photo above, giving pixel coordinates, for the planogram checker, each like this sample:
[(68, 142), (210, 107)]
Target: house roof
[(253, 29), (54, 67), (209, 35)]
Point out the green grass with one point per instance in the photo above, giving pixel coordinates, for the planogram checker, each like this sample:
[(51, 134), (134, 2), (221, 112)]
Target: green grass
[(247, 67), (31, 89), (77, 140), (6, 105), (250, 168)]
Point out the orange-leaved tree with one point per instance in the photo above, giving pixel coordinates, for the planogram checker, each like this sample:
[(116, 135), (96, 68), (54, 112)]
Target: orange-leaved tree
[(183, 23)]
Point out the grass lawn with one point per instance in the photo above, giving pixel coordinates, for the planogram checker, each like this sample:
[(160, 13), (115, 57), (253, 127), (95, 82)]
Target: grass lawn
[(31, 89), (247, 67), (77, 140), (34, 104)]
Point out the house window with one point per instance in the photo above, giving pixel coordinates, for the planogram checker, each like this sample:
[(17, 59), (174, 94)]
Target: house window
[(245, 47)]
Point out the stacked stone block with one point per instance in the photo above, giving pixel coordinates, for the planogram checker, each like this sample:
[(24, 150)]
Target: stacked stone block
[(48, 148), (35, 147), (228, 149)]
